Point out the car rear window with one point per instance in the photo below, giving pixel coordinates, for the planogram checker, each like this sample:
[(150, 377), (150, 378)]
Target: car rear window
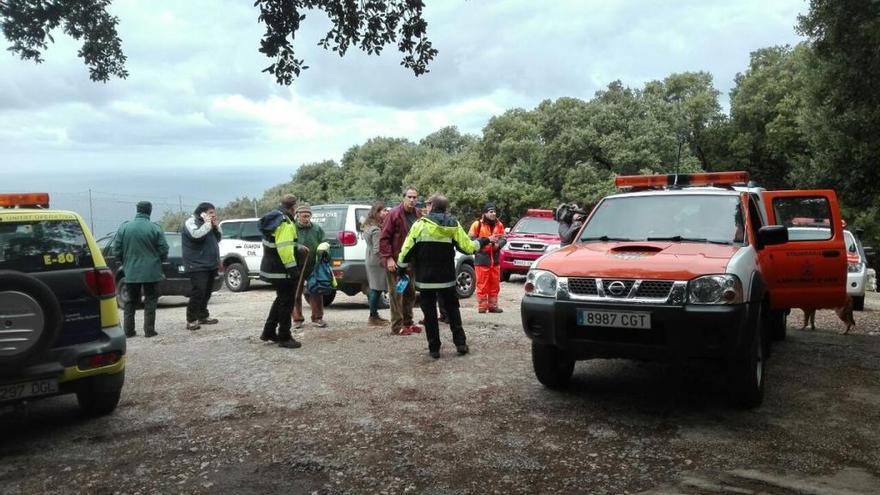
[(536, 226), (175, 244), (331, 219), (43, 246)]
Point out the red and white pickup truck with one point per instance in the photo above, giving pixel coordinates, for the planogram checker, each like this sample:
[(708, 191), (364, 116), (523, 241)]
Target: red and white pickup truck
[(533, 236)]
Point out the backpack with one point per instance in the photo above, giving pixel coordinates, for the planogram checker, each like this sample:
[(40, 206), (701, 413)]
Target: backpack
[(321, 281)]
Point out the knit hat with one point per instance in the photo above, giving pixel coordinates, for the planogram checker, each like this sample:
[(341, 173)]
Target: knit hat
[(144, 207), (303, 208), (488, 206)]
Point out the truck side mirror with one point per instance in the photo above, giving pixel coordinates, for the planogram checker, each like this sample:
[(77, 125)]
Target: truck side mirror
[(771, 235)]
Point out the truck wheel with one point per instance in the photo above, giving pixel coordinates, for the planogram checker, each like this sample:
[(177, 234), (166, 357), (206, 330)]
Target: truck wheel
[(121, 294), (859, 303), (747, 374), (94, 403), (465, 281), (237, 278), (505, 275), (30, 316), (778, 325), (328, 298), (552, 368)]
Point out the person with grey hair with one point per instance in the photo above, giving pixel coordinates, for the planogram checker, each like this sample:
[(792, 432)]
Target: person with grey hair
[(140, 246), (430, 245)]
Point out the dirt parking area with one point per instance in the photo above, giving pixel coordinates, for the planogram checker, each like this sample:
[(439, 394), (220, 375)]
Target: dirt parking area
[(357, 410)]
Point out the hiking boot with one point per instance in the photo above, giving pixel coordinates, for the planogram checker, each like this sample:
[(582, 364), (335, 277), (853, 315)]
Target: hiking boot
[(482, 310), (462, 349), (268, 337), (297, 324), (415, 329), (193, 325), (208, 321), (377, 321), (434, 354), (496, 310), (407, 330), (319, 323), (131, 334), (150, 334), (290, 344), (443, 319)]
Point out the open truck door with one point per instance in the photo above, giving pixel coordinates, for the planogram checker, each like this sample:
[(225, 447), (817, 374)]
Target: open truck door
[(809, 270)]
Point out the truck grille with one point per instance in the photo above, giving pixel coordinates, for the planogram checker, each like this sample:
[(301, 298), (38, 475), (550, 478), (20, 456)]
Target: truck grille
[(529, 247), (659, 290)]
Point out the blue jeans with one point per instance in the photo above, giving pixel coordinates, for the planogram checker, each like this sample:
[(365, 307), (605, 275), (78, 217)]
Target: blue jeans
[(374, 297)]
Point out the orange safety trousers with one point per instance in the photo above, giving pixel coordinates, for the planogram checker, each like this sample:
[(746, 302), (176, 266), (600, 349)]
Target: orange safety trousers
[(488, 285)]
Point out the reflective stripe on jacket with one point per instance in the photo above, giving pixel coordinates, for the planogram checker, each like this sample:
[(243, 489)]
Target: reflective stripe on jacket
[(489, 255), (279, 246), (431, 243)]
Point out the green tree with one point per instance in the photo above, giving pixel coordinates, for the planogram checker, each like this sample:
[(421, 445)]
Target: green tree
[(448, 139), (367, 25), (172, 221)]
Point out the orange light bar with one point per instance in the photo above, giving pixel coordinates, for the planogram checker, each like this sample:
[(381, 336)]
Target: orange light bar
[(698, 179), (537, 212), (40, 200)]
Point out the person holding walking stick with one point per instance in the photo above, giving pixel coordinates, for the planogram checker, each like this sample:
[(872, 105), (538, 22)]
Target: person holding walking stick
[(309, 235), (279, 268)]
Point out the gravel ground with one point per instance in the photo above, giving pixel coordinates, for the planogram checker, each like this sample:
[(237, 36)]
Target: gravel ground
[(357, 410)]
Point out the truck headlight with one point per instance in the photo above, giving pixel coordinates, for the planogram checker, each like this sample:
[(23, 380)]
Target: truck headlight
[(540, 283), (854, 267), (715, 289), (552, 247)]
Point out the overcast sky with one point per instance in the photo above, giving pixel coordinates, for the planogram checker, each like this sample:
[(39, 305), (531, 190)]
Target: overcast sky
[(198, 120)]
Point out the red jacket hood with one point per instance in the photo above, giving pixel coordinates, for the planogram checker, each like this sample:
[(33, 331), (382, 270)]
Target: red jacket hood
[(639, 260)]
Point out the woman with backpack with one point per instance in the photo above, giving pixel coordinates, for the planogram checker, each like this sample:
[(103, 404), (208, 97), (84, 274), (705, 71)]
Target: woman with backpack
[(372, 229)]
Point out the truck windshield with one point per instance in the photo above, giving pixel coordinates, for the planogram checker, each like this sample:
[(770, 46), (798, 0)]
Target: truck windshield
[(673, 217), (532, 225)]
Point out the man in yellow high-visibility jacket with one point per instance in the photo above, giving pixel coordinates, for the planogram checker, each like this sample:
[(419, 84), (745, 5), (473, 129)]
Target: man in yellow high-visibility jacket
[(279, 268)]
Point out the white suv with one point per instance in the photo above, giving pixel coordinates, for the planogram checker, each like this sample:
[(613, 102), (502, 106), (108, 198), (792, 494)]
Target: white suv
[(241, 250)]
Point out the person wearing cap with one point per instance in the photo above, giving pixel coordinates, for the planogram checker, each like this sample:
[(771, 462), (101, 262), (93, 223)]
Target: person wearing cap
[(310, 235), (279, 268), (141, 247), (200, 239), (430, 245), (487, 261)]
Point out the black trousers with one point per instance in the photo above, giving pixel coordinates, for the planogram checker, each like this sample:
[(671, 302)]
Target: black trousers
[(449, 300), (201, 284), (279, 313)]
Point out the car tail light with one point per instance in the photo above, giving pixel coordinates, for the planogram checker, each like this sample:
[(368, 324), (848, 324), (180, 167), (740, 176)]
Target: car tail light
[(101, 282), (99, 360), (347, 238)]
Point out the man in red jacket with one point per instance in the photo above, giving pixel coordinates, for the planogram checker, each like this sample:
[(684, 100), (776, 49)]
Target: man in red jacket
[(394, 232)]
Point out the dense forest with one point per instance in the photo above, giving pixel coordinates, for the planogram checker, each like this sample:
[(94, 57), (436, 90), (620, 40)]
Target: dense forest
[(806, 116)]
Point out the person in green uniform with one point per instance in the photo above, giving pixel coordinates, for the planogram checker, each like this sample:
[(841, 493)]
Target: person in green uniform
[(141, 247)]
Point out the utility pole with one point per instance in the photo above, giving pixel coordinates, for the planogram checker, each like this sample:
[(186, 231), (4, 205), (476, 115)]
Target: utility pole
[(255, 208), (91, 213), (180, 202)]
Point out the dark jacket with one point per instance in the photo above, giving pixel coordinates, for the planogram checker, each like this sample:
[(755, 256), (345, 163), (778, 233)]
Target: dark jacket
[(431, 243), (568, 231), (394, 231), (141, 247), (201, 245), (279, 247)]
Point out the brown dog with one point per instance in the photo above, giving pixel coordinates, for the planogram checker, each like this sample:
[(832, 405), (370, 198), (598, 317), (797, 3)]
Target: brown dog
[(845, 313)]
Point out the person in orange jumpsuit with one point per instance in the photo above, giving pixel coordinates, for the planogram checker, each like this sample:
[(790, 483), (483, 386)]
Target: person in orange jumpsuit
[(486, 260)]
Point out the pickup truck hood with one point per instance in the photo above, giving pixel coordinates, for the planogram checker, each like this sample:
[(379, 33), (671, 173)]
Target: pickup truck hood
[(639, 260)]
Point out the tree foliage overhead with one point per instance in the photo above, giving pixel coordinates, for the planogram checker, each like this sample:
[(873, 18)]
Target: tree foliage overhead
[(368, 25)]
